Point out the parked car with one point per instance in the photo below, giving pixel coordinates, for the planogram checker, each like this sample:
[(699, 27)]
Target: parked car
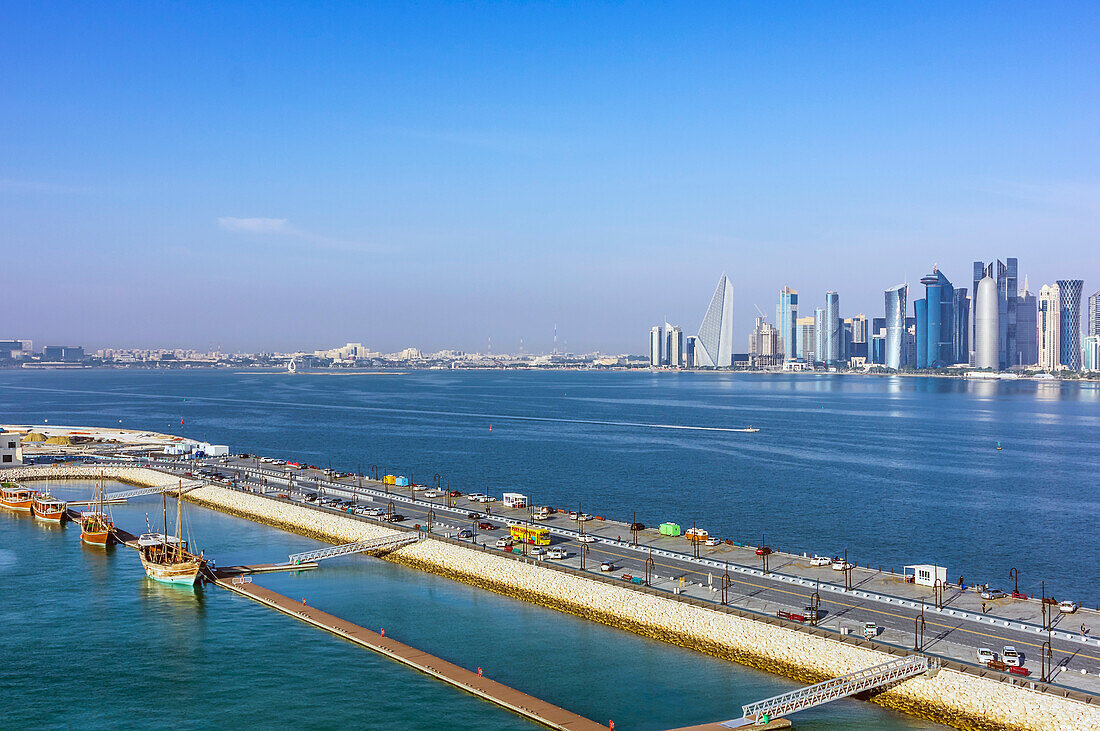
[(986, 656), (712, 541), (584, 516), (840, 564), (556, 552), (395, 518), (1010, 657), (454, 493), (993, 594), (607, 566), (1067, 607), (432, 493), (763, 551), (637, 526), (539, 516), (820, 560), (535, 550), (505, 542), (376, 512), (465, 533), (870, 630)]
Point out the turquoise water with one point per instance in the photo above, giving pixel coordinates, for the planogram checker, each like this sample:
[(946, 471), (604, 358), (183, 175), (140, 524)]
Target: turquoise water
[(118, 650)]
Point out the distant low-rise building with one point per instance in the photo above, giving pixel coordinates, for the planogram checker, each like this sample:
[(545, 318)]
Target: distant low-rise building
[(63, 353)]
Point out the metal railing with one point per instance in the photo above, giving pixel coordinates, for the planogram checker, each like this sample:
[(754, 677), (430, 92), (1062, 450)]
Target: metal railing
[(370, 544), (137, 492), (892, 671)]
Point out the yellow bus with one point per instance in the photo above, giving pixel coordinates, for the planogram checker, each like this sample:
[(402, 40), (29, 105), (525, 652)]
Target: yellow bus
[(536, 536)]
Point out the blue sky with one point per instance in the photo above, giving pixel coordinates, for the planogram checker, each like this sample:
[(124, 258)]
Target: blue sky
[(273, 176)]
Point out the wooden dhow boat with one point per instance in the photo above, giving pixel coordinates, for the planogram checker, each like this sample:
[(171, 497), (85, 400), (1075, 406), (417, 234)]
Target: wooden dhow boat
[(48, 508), (17, 497), (168, 558), (96, 526)]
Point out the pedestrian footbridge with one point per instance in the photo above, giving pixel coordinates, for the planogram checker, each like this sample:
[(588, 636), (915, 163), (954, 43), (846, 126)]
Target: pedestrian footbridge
[(383, 543), (138, 492), (870, 678)]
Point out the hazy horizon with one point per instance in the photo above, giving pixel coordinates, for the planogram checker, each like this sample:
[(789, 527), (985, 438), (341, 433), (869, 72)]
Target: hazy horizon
[(435, 174)]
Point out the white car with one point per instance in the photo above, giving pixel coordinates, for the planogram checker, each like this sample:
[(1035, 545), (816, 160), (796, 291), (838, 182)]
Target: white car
[(842, 565), (504, 542), (475, 497), (556, 552), (539, 516), (820, 560), (584, 516), (712, 541), (433, 493), (1067, 607), (587, 538), (986, 656), (607, 566), (535, 551), (1010, 657)]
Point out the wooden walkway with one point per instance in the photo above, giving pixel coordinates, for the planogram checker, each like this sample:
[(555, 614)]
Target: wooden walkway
[(507, 697)]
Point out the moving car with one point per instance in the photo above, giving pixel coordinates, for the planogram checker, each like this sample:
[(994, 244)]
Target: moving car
[(473, 516), (986, 656), (1067, 606), (465, 533), (820, 560), (1010, 657), (586, 538), (556, 552), (993, 594), (483, 525)]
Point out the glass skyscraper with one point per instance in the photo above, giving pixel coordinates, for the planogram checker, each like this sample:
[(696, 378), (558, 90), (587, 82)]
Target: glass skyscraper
[(1004, 275), (786, 315), (1069, 291), (819, 335), (895, 326), (1094, 315), (936, 328), (832, 329), (714, 344)]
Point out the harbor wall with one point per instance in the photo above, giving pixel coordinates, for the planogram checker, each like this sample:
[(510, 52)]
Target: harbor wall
[(959, 699)]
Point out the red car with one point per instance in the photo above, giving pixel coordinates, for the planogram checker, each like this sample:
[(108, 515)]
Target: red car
[(763, 551), (454, 493), (486, 526)]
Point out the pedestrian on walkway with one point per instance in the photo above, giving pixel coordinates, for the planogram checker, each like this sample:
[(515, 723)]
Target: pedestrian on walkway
[(983, 607)]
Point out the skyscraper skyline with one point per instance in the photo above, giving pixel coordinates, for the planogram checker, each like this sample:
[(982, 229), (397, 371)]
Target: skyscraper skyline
[(1093, 315)]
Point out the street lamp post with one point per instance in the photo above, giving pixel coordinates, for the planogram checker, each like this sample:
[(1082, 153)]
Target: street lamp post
[(918, 630), (815, 604), (847, 572), (650, 568), (584, 553), (726, 583), (1014, 574), (431, 519), (694, 540), (764, 553)]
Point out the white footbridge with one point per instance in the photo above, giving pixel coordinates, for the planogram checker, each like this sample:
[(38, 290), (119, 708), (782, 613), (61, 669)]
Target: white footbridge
[(383, 543), (870, 678), (186, 486)]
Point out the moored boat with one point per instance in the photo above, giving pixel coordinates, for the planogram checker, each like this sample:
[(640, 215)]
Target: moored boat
[(96, 526), (17, 497), (168, 558), (48, 508)]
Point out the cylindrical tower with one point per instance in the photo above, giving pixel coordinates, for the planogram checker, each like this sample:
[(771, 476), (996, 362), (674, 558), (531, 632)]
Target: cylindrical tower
[(986, 325)]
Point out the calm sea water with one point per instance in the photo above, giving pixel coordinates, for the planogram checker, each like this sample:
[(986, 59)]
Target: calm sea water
[(86, 632), (896, 470)]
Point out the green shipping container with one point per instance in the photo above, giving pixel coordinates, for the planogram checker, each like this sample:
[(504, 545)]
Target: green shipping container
[(669, 529)]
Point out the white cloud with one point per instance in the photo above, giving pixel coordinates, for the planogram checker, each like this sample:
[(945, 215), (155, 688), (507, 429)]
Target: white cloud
[(255, 225)]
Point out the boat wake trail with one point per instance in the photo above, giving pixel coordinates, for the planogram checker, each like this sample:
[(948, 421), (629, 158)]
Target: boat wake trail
[(393, 410)]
